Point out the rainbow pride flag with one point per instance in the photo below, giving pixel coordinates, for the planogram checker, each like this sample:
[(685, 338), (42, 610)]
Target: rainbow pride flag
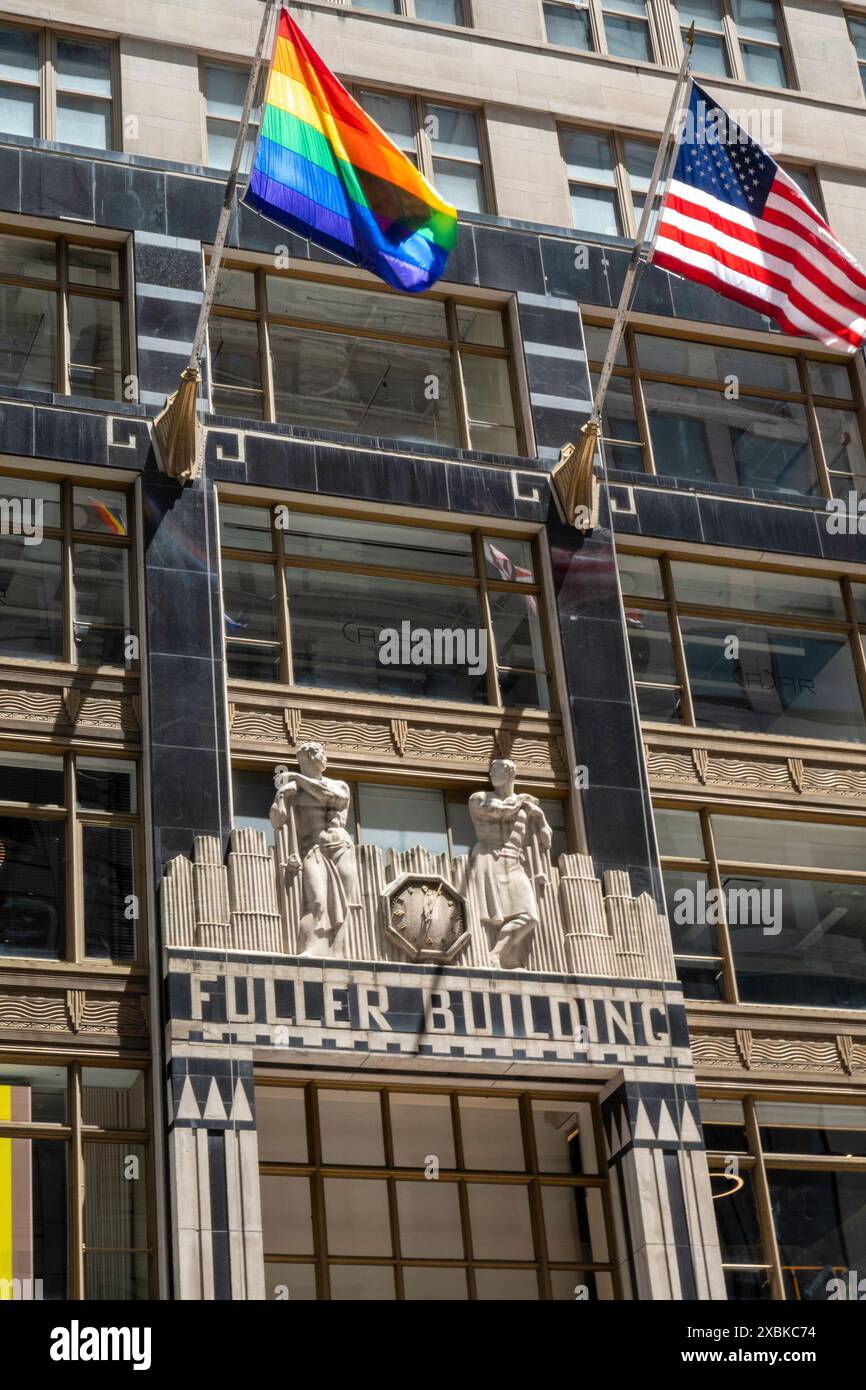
[(325, 170)]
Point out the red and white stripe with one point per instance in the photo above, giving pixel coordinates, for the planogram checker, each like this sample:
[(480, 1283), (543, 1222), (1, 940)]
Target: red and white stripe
[(785, 263)]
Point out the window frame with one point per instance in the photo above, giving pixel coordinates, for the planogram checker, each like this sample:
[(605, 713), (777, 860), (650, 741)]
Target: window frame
[(596, 10), (48, 37), (760, 1163), (278, 561), (419, 102), (852, 627), (75, 1134), (716, 869), (264, 319), (627, 211), (405, 9), (733, 47), (65, 290), (317, 1171), (807, 397), (68, 537), (75, 820), (859, 17), (252, 137)]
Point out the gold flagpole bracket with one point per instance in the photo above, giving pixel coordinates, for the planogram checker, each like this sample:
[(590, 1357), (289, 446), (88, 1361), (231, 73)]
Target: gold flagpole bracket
[(574, 478)]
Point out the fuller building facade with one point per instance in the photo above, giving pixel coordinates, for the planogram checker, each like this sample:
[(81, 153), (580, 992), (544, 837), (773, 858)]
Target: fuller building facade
[(404, 895)]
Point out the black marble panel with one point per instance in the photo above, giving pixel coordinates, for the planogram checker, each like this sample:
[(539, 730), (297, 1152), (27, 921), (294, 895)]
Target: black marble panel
[(56, 186), (129, 197)]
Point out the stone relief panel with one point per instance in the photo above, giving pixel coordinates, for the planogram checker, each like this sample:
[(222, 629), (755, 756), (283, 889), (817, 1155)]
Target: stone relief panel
[(507, 906)]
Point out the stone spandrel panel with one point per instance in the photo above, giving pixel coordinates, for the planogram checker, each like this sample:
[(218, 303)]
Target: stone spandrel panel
[(253, 904)]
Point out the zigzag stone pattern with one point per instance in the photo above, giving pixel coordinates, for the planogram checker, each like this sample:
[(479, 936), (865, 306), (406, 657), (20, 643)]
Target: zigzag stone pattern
[(248, 904)]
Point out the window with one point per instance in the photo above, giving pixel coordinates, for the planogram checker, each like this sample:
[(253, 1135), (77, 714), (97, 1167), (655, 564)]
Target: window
[(333, 603), (46, 283), (737, 38), (443, 141), (392, 817), (68, 808), (224, 92), (795, 668), (64, 76), (66, 1241), (806, 179), (620, 28), (364, 362), (64, 573), (787, 922), (608, 180), (857, 30), (517, 1212), (721, 413), (793, 1218), (433, 11)]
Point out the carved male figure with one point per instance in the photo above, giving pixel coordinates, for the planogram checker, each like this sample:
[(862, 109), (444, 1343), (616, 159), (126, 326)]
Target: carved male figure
[(316, 809), (507, 824)]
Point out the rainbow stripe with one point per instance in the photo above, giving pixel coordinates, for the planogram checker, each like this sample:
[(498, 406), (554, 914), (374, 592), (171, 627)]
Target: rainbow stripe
[(110, 516), (325, 170)]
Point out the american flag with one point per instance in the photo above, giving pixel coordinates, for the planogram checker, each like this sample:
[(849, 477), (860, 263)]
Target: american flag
[(733, 220)]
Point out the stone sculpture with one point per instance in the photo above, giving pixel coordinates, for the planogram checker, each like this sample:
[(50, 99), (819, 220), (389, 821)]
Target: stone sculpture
[(315, 810), (512, 832)]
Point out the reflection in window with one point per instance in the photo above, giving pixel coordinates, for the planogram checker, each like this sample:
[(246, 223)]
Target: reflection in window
[(44, 283), (34, 846), (420, 633), (494, 1209), (37, 607), (363, 362), (763, 437)]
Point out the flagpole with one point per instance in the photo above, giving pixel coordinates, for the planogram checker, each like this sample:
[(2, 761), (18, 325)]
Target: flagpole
[(573, 476), (176, 434)]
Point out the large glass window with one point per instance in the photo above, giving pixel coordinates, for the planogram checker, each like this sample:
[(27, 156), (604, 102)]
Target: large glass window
[(620, 28), (64, 573), (430, 370), (789, 1195), (45, 1110), (720, 413), (54, 808), (737, 38), (346, 604), (57, 86), (448, 1195), (766, 911), (46, 282), (444, 141), (747, 650)]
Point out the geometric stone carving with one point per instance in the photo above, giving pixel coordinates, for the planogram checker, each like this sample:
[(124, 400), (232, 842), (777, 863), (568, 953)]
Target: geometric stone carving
[(758, 771), (421, 739), (70, 1012)]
